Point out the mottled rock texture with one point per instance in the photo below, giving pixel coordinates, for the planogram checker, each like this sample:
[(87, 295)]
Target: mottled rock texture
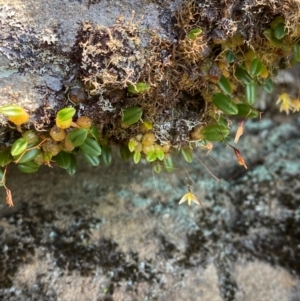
[(118, 233)]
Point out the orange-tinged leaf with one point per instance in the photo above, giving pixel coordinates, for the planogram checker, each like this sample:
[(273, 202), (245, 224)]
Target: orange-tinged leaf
[(19, 120)]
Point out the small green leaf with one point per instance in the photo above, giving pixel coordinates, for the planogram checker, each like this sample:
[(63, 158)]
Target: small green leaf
[(47, 156), (11, 110), (276, 21), (215, 132), (65, 114), (169, 165), (194, 33), (94, 132), (125, 152), (77, 136), (246, 111), (92, 160), (296, 50), (106, 156), (137, 157), (280, 31), (132, 115), (269, 34), (28, 155), (157, 168), (268, 85), (251, 92), (63, 159), (5, 157), (242, 75), (223, 122), (29, 167), (160, 154), (187, 154), (91, 147), (19, 146), (224, 103), (2, 178), (151, 156), (31, 137), (256, 67), (138, 88), (224, 85), (230, 57), (73, 165)]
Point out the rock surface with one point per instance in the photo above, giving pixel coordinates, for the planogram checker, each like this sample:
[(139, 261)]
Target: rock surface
[(37, 37), (118, 233)]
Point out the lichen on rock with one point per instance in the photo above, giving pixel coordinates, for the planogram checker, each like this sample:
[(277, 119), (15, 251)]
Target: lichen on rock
[(130, 81)]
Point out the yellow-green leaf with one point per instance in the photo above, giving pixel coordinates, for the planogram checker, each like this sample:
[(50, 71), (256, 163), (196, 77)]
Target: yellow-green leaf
[(65, 114), (160, 154), (131, 145), (137, 157), (194, 33), (11, 110), (138, 88), (151, 156)]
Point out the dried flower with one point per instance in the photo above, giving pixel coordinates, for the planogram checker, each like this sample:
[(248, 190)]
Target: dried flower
[(9, 200), (239, 132), (209, 146), (239, 157), (296, 104)]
